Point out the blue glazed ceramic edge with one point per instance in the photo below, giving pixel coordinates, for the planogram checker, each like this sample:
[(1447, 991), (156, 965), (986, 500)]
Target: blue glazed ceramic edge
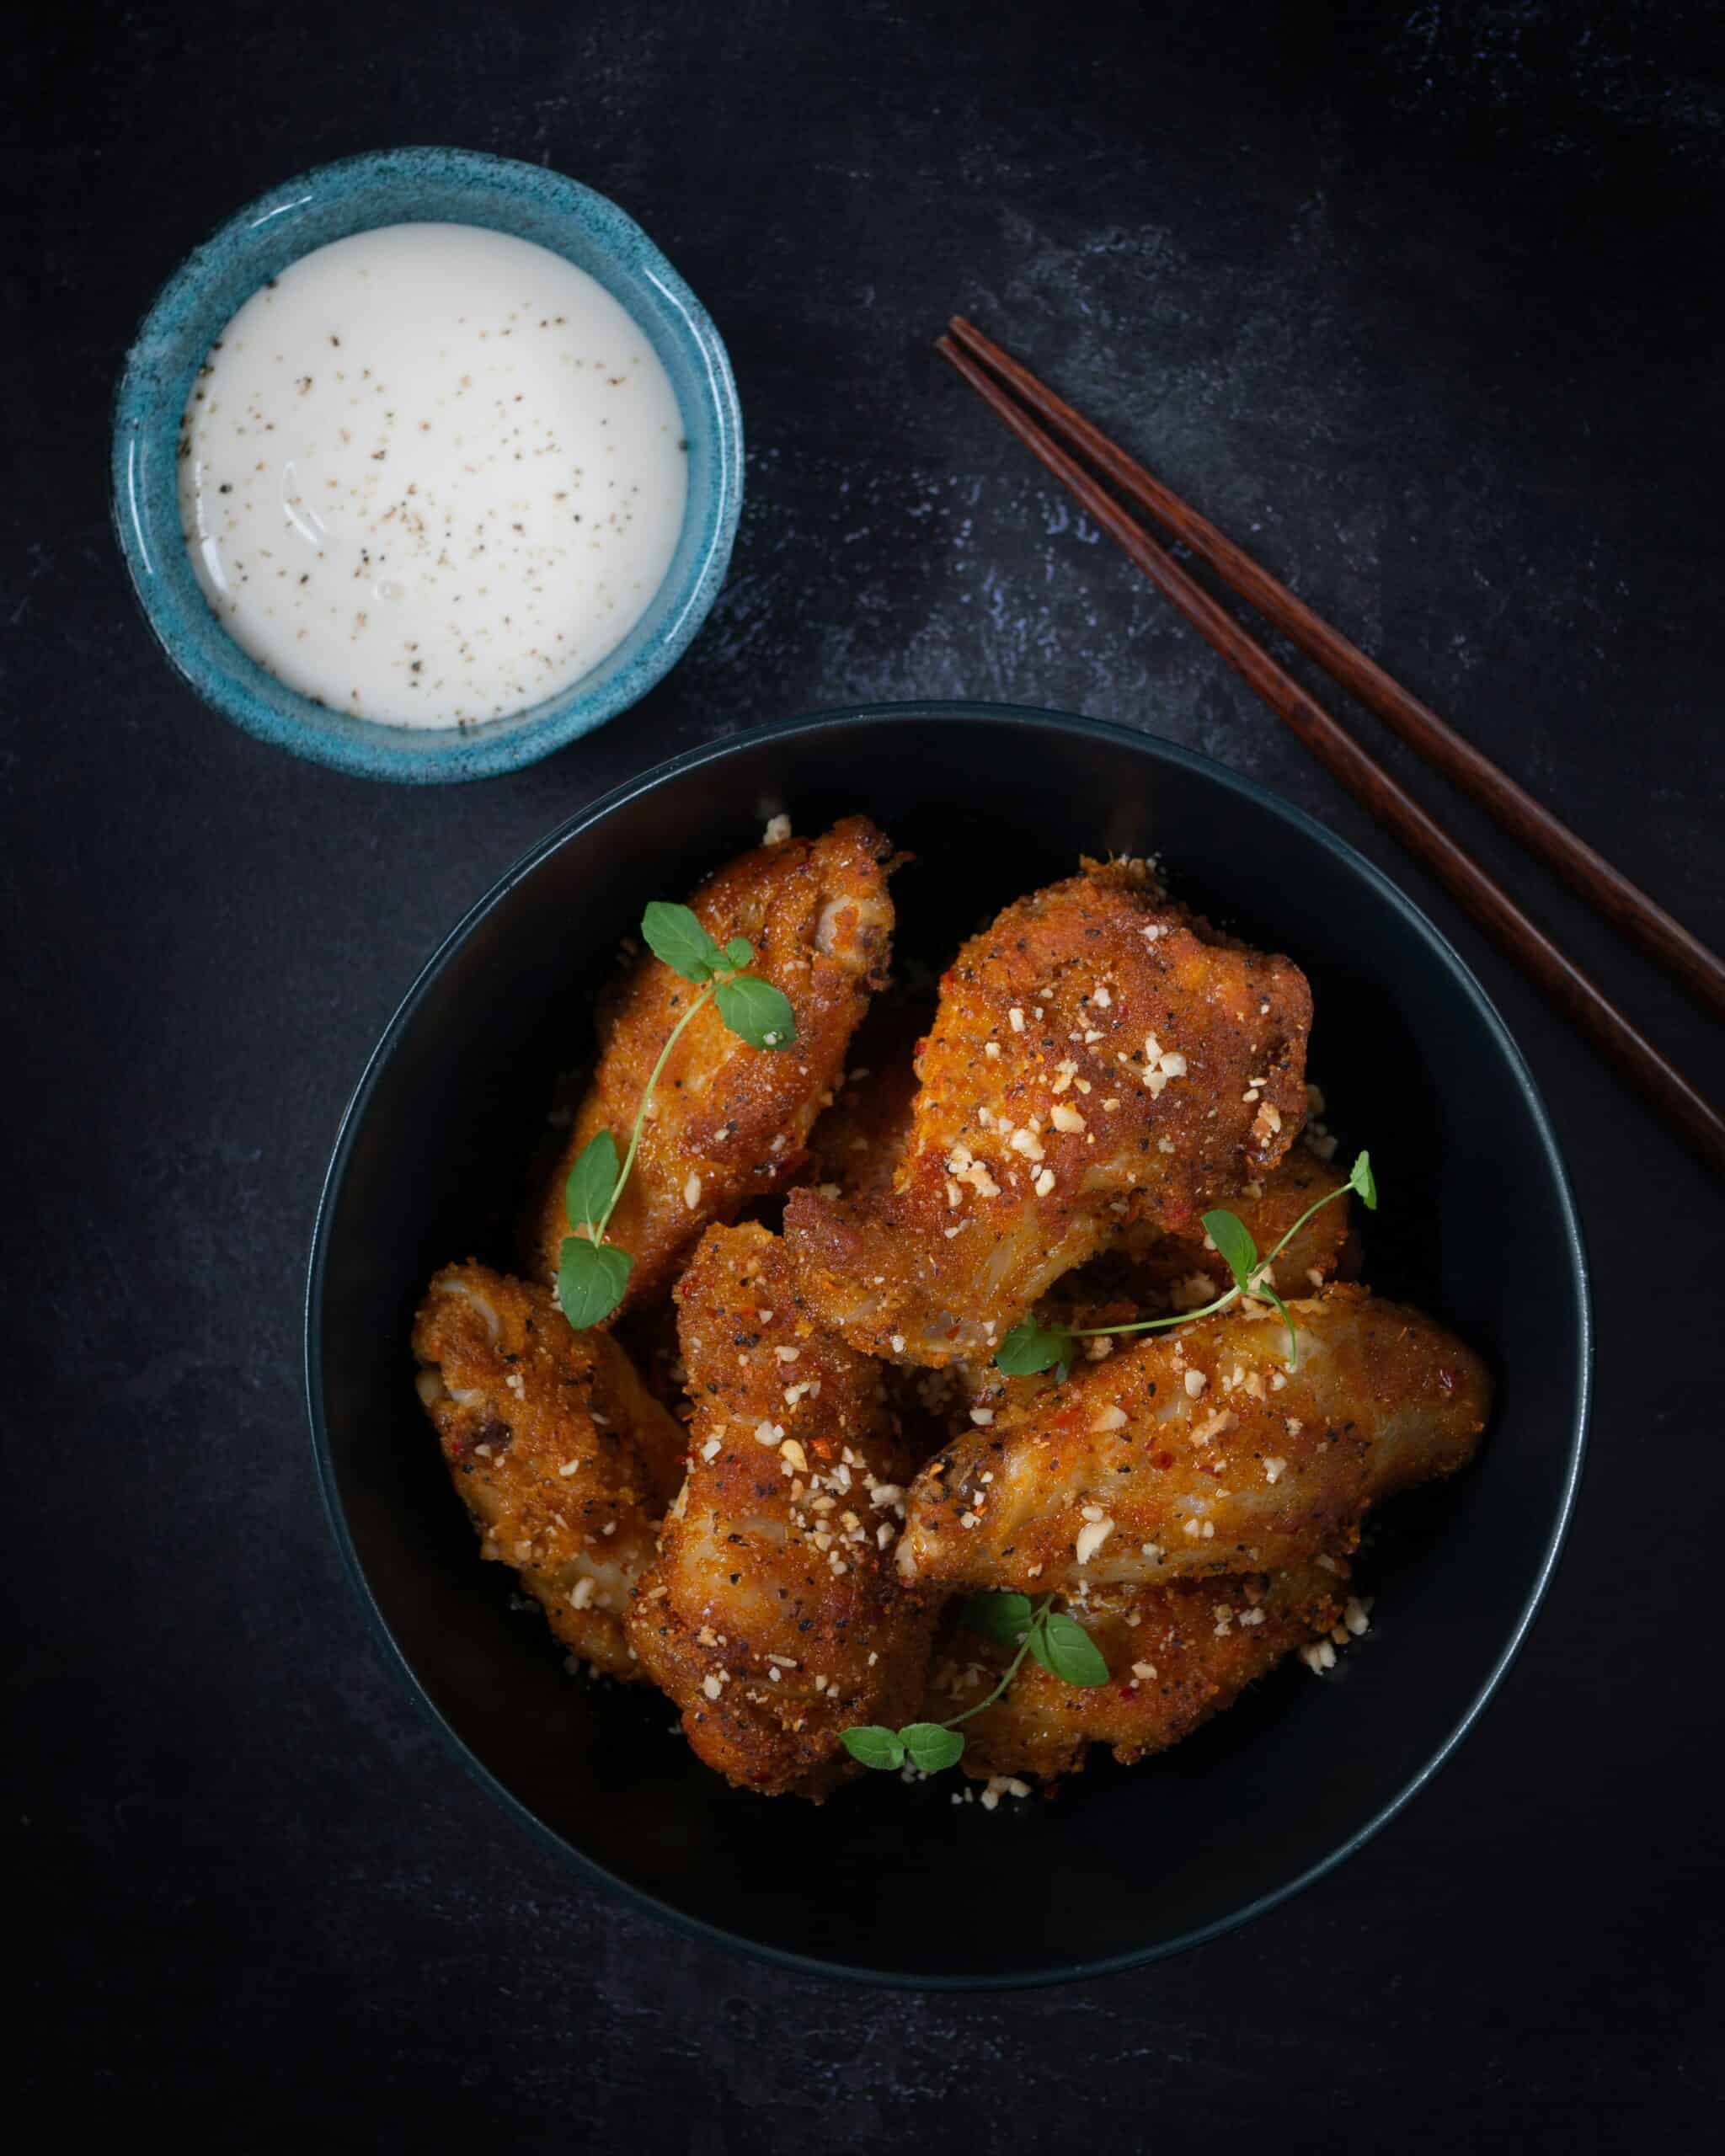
[(330, 202)]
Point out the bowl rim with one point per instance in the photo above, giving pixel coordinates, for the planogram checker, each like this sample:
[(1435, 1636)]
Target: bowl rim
[(422, 755), (1158, 749)]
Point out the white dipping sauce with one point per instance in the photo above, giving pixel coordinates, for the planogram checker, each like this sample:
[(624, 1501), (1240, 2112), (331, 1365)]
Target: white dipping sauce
[(431, 475)]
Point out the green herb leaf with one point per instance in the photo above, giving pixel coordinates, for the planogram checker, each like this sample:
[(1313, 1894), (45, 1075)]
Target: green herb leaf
[(1002, 1617), (673, 935), (1070, 1651), (931, 1747), (591, 1181), (1233, 1239), (1029, 1348), (1360, 1178), (739, 951), (756, 1012), (872, 1746), (590, 1280)]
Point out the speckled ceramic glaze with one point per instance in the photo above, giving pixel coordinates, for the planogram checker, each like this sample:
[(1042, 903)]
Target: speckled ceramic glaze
[(395, 187)]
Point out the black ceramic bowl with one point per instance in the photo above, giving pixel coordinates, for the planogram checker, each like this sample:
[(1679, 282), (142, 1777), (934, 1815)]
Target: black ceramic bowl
[(886, 1881)]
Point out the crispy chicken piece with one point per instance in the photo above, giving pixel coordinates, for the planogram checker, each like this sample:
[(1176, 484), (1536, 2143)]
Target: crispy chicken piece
[(774, 1618), (1098, 1058), (1176, 1655), (1182, 1270), (1149, 1275), (1200, 1451), (1001, 1400), (648, 1336), (563, 1459), (729, 1121), (858, 1144)]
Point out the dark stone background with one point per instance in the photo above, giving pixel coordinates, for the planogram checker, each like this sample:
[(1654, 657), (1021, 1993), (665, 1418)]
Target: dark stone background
[(1424, 304)]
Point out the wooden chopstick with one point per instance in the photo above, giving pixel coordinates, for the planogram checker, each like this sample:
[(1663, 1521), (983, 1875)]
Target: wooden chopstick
[(1700, 970), (1496, 911)]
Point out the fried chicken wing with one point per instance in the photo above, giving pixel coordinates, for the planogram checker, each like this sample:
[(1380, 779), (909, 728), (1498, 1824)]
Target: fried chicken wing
[(774, 1617), (1151, 1274), (564, 1460), (1176, 1655), (856, 1147), (1098, 1058), (1202, 1451), (1182, 1270), (730, 1123)]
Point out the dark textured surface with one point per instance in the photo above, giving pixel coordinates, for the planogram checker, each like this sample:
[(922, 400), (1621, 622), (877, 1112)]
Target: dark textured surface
[(1424, 305)]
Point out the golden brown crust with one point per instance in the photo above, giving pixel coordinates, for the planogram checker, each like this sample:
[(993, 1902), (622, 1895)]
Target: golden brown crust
[(1098, 1058), (774, 1617), (563, 1458), (1181, 1270), (1177, 1655), (1200, 1451), (730, 1123), (1148, 1274), (855, 1148)]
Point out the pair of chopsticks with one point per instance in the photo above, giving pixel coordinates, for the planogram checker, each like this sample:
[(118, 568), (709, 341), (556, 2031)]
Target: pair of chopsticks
[(993, 374)]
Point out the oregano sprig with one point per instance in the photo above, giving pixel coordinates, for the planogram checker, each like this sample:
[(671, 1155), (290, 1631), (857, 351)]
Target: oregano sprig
[(1030, 1347), (1059, 1642), (592, 1273)]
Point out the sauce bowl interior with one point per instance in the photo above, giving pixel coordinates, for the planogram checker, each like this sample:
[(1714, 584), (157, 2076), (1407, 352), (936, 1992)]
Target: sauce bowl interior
[(886, 1881), (396, 187)]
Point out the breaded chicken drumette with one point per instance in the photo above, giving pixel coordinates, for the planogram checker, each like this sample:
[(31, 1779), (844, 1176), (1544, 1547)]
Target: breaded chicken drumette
[(563, 1458), (1202, 1450), (775, 1618), (1147, 1275), (1177, 1655), (1182, 1270), (856, 1146), (1098, 1058), (729, 1122)]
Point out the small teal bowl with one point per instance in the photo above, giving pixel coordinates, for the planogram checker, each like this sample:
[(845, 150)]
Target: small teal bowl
[(390, 187)]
